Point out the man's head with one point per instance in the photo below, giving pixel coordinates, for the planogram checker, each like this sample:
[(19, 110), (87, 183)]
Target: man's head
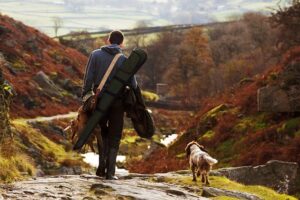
[(116, 37)]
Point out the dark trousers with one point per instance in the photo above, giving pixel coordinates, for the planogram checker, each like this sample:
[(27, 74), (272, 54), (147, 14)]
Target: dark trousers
[(111, 131), (112, 126)]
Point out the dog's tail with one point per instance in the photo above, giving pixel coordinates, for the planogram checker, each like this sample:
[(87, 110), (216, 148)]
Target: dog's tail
[(210, 160)]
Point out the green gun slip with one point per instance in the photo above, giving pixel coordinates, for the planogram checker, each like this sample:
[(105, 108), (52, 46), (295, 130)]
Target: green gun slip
[(112, 89)]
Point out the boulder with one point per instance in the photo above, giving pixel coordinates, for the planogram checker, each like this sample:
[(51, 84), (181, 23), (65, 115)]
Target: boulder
[(275, 174), (28, 102), (67, 84), (273, 99), (70, 70), (214, 192), (47, 85), (284, 96)]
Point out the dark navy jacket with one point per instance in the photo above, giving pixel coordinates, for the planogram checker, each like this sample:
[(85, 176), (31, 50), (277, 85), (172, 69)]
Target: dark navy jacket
[(98, 63)]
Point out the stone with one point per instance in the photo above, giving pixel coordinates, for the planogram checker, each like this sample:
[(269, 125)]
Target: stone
[(285, 95), (47, 85), (67, 171), (279, 175), (273, 99), (39, 173), (88, 198), (77, 170), (214, 192), (66, 198), (70, 70), (28, 102), (29, 192), (175, 192), (67, 84), (100, 192)]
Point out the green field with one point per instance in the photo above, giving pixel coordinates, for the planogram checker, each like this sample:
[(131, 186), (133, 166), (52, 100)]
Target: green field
[(40, 14), (97, 15)]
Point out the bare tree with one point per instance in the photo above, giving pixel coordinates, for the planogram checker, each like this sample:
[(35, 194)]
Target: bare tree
[(57, 24)]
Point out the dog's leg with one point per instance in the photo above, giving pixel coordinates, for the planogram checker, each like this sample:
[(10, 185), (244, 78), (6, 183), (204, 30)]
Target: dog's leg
[(198, 172), (205, 176), (194, 172), (207, 182), (202, 177)]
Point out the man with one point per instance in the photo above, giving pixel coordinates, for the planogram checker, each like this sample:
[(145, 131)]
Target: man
[(112, 126)]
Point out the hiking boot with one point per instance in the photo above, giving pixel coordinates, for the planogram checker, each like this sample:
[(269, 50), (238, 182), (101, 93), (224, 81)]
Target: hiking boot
[(101, 170), (111, 164)]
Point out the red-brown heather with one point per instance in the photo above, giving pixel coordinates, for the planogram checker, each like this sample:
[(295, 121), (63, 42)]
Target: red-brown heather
[(28, 51), (251, 147)]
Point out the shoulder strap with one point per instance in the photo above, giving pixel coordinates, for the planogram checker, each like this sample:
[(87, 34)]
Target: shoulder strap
[(108, 72)]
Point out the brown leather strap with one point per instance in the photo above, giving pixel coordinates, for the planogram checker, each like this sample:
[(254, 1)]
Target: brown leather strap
[(108, 72)]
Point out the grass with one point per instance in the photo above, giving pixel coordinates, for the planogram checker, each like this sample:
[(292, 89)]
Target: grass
[(209, 134), (216, 110), (253, 123), (13, 162), (20, 156), (224, 183), (150, 96), (290, 127)]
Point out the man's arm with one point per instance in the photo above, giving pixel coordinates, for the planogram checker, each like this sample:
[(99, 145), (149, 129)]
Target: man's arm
[(89, 76)]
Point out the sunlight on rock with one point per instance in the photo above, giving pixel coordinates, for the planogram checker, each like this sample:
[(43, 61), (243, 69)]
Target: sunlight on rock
[(93, 159), (169, 139)]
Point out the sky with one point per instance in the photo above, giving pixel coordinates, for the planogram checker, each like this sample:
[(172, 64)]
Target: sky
[(96, 15)]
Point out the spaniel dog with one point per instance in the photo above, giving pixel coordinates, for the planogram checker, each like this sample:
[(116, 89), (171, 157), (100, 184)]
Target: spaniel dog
[(200, 161)]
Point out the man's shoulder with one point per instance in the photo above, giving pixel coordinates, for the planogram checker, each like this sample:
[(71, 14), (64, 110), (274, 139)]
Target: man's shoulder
[(97, 52)]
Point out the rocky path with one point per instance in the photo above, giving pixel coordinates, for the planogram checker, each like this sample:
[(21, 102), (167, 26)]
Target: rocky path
[(47, 119), (89, 187)]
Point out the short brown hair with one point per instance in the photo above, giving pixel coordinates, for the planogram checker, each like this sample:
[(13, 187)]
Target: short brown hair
[(116, 37)]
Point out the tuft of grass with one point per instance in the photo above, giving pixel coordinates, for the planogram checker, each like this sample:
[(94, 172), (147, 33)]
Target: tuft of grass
[(290, 127), (12, 168), (216, 110), (254, 123), (208, 135), (150, 96), (224, 183), (260, 191), (17, 161)]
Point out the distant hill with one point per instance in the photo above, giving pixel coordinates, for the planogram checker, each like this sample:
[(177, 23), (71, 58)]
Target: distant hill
[(46, 75), (98, 15)]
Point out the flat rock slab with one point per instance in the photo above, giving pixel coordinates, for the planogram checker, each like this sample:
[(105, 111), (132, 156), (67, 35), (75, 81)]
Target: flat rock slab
[(89, 187), (275, 174), (220, 192)]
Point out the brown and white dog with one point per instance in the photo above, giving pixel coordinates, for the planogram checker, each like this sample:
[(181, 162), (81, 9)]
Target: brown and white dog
[(200, 161)]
